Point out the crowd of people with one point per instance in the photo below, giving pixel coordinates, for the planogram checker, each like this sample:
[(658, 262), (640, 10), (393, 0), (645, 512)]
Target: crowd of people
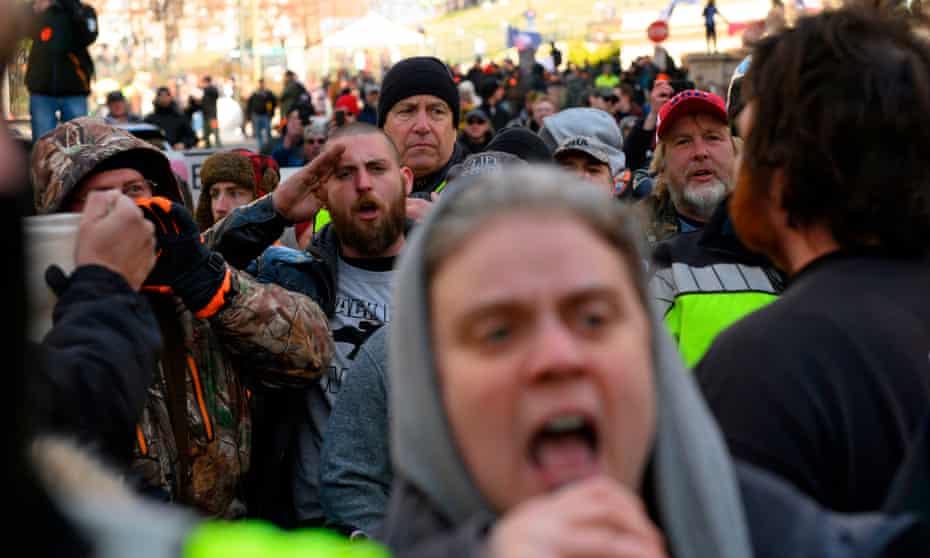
[(664, 323)]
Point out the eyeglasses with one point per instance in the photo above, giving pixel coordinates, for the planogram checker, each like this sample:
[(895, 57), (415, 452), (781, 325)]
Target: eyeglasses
[(317, 141), (134, 189), (475, 121)]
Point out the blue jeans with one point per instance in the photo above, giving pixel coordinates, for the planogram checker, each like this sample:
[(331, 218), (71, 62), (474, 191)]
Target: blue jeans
[(43, 109), (261, 124)]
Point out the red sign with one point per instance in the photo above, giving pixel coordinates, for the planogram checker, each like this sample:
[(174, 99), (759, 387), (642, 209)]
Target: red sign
[(657, 31)]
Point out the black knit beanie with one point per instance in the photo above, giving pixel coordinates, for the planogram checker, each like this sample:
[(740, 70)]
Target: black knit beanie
[(420, 75), (521, 142)]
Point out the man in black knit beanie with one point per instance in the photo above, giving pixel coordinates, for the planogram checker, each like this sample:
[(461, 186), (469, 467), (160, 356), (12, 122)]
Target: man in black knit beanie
[(419, 111)]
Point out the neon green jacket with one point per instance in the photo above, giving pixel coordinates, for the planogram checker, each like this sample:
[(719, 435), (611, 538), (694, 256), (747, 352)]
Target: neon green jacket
[(706, 280), (256, 539)]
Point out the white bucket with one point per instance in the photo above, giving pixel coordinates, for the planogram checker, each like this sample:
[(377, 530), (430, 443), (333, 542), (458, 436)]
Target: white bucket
[(49, 239)]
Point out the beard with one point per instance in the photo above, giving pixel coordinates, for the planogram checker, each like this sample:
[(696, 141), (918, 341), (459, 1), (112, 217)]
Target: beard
[(749, 213), (700, 201), (371, 238)]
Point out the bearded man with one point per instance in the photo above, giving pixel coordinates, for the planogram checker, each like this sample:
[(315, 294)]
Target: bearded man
[(348, 268), (705, 280), (694, 163)]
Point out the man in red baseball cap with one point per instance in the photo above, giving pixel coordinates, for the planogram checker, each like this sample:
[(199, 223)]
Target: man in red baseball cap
[(694, 163), (706, 280), (348, 105)]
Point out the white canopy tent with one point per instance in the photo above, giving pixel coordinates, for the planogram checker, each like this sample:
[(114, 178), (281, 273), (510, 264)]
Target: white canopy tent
[(371, 31)]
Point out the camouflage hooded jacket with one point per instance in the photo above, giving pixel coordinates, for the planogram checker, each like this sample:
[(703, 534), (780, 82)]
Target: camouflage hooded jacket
[(263, 329)]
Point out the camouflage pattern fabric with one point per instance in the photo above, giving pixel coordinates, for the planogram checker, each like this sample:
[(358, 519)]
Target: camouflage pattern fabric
[(65, 156), (658, 218), (275, 332), (263, 329)]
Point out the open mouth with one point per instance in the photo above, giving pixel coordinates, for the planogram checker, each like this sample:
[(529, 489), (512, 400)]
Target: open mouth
[(565, 449), (702, 174), (367, 209)]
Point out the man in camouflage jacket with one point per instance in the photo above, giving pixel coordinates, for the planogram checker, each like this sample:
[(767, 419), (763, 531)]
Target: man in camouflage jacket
[(245, 326)]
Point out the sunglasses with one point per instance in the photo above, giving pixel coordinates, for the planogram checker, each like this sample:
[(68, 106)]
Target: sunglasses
[(475, 121), (318, 141)]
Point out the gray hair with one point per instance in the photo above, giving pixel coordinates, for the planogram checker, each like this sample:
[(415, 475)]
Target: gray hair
[(539, 189)]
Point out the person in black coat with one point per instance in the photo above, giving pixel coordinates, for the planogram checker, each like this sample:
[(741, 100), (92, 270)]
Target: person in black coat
[(477, 133), (177, 128), (211, 123), (59, 69)]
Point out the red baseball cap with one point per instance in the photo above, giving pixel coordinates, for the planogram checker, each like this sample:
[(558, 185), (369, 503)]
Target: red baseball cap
[(348, 103), (690, 101)]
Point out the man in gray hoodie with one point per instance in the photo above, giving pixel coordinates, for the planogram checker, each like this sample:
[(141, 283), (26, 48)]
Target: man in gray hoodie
[(544, 411)]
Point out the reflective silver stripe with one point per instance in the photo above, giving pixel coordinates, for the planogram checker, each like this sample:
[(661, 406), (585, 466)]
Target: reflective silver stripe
[(662, 290), (684, 281), (706, 279), (718, 278), (757, 279), (730, 276)]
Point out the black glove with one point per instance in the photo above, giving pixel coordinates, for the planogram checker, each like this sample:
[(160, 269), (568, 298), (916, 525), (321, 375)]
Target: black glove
[(185, 266)]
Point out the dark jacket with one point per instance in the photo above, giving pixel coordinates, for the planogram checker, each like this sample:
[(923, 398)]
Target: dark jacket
[(261, 103), (782, 522), (910, 494), (175, 125), (294, 92), (288, 156), (499, 116), (470, 147), (369, 114), (59, 64), (639, 145), (423, 187), (98, 361), (827, 386), (210, 97)]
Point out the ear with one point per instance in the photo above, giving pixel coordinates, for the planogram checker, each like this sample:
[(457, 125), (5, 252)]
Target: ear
[(408, 179), (777, 193)]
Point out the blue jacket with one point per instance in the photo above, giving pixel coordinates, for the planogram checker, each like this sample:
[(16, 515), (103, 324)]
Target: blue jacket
[(288, 156), (246, 237)]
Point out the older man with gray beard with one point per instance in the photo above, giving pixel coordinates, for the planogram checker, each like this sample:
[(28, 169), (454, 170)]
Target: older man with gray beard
[(694, 163)]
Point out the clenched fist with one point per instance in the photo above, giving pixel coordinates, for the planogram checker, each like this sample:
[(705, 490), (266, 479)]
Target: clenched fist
[(114, 234)]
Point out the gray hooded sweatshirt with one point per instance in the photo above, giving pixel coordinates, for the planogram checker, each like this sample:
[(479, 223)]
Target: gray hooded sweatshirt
[(692, 488)]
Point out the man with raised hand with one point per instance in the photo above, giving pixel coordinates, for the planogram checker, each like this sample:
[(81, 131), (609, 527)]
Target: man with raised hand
[(348, 269)]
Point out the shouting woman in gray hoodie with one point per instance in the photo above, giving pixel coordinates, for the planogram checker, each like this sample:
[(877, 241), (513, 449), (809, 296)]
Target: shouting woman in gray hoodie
[(540, 409)]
